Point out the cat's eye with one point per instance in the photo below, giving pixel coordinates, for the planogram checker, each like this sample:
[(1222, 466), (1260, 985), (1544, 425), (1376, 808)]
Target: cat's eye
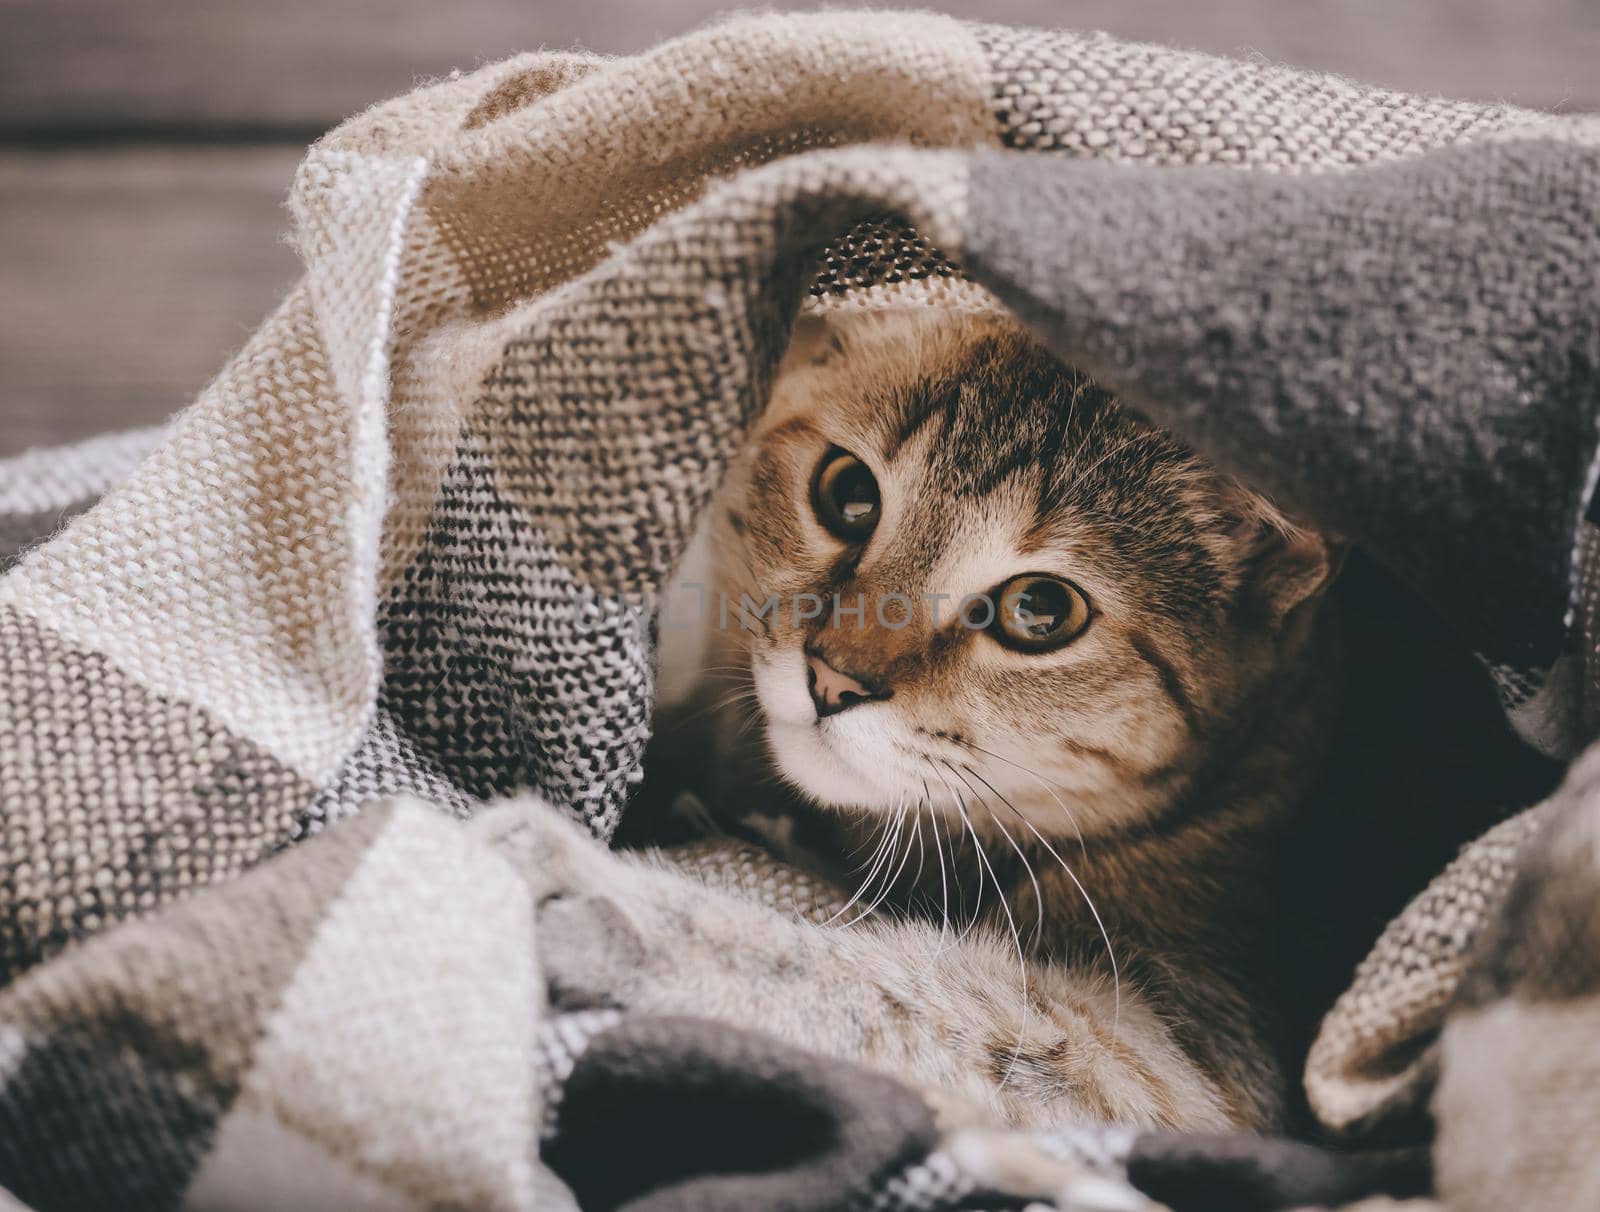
[(845, 496), (1036, 613)]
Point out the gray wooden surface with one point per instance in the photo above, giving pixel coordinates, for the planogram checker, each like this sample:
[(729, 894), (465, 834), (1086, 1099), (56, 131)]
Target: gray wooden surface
[(146, 145), (129, 274)]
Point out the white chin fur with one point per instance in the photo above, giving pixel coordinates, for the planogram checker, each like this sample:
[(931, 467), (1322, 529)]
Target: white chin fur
[(848, 760)]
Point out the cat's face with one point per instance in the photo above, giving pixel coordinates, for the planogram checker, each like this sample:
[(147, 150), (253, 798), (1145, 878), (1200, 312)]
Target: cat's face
[(989, 589)]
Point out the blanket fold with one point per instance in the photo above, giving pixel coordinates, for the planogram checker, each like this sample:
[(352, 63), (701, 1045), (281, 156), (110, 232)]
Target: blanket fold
[(1370, 347), (398, 561)]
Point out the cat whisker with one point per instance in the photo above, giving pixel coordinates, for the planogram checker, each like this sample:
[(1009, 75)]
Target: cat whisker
[(1126, 444), (889, 884), (916, 880), (878, 856), (752, 717), (1043, 782), (739, 612), (744, 558), (746, 695), (855, 851), (888, 880), (883, 859), (1079, 384), (938, 849), (1038, 893), (977, 901), (1105, 935), (755, 581), (744, 624), (1016, 935)]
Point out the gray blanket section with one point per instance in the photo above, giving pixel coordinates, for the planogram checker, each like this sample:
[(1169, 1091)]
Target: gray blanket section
[(1410, 353)]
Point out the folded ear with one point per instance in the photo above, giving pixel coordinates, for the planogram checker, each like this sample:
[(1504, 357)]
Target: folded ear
[(813, 341), (1294, 567), (1286, 564)]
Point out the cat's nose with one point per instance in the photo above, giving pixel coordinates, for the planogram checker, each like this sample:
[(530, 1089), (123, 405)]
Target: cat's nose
[(832, 690)]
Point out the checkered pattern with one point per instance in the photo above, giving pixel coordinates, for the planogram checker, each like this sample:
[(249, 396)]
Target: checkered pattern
[(364, 563), (561, 1041), (936, 1182)]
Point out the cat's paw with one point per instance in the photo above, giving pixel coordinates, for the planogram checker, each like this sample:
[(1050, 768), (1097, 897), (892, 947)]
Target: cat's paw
[(589, 948), (555, 854)]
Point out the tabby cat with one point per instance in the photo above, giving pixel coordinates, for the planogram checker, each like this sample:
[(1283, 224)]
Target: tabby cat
[(1045, 687)]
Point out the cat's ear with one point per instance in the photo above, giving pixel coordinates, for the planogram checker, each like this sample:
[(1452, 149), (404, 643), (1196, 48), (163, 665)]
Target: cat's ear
[(1286, 565), (815, 344), (1293, 567), (814, 341)]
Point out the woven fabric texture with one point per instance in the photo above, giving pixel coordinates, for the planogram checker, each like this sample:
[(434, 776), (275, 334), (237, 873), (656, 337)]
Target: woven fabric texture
[(402, 552)]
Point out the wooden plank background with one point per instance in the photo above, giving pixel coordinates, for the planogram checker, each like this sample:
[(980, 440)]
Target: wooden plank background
[(146, 145)]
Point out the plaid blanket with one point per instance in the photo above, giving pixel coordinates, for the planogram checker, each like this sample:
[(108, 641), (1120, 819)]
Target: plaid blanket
[(341, 595)]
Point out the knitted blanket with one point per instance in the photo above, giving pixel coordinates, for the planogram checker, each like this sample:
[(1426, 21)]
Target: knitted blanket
[(396, 562)]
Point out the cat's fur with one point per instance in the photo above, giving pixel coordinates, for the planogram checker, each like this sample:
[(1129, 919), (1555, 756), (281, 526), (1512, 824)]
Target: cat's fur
[(1120, 797)]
